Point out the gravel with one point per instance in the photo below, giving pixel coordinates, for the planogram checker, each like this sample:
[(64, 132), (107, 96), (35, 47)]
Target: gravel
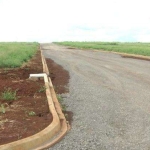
[(110, 98)]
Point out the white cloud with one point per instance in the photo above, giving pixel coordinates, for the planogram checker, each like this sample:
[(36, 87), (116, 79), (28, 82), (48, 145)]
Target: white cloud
[(52, 20)]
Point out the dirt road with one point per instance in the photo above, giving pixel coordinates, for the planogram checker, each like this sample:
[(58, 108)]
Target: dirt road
[(110, 98)]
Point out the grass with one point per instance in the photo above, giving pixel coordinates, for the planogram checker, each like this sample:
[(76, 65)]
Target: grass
[(8, 95), (2, 109), (60, 99), (131, 48), (42, 89), (14, 54), (31, 113)]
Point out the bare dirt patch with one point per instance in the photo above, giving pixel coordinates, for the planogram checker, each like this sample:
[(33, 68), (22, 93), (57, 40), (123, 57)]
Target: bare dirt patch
[(59, 76), (60, 79)]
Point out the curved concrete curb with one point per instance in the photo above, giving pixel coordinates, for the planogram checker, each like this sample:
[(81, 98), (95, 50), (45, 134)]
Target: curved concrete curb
[(58, 125), (126, 55), (63, 123), (135, 56)]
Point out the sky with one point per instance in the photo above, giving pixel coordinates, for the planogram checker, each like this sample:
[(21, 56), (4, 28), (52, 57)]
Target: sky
[(74, 20)]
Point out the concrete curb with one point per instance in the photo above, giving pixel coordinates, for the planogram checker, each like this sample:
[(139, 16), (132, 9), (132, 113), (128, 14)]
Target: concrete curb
[(58, 125), (126, 55), (63, 123)]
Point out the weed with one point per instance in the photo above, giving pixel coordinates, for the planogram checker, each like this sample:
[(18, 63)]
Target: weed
[(31, 113), (63, 107), (2, 109), (60, 99), (42, 89), (8, 94)]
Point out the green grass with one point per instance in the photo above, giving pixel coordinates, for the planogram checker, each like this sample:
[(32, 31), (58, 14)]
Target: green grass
[(14, 54), (131, 48), (2, 109), (60, 100), (31, 113), (42, 89), (9, 94)]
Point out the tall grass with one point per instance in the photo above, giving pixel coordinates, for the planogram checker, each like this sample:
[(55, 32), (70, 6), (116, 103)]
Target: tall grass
[(14, 54), (131, 48)]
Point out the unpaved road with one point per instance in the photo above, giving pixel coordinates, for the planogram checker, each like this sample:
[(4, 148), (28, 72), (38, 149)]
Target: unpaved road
[(110, 98)]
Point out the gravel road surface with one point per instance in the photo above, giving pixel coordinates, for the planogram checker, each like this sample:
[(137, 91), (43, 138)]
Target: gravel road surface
[(110, 98)]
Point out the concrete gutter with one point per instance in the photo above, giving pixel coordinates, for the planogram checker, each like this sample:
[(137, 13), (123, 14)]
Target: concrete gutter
[(51, 134)]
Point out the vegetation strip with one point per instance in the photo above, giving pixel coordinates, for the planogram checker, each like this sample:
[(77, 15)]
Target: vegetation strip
[(130, 48), (14, 54)]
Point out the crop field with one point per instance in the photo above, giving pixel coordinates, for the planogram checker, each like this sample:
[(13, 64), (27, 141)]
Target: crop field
[(14, 54), (131, 48)]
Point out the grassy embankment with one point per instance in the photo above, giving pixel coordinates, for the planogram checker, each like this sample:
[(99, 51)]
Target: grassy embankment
[(131, 48), (14, 54)]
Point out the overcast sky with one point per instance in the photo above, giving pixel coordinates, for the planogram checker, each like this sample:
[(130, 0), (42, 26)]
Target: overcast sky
[(75, 20)]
